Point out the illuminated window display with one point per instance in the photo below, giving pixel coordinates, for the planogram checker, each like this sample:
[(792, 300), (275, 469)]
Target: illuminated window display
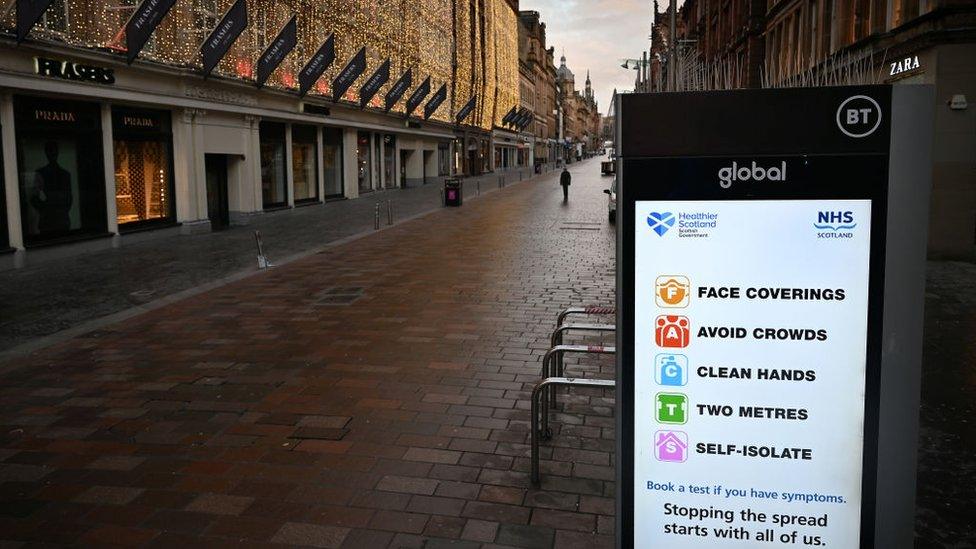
[(143, 167), (389, 162), (332, 161), (274, 187), (61, 177), (303, 163), (365, 162)]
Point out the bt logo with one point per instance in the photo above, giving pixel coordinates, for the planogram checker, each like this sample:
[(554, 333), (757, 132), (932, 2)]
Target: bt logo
[(858, 116)]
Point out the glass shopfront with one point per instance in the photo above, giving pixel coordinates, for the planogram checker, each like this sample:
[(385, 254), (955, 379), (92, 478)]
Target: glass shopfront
[(332, 161), (365, 161), (142, 146), (304, 164), (274, 186), (4, 236), (443, 159), (60, 169), (389, 161)]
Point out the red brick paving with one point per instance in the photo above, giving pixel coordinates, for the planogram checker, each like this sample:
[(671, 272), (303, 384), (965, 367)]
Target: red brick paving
[(265, 413)]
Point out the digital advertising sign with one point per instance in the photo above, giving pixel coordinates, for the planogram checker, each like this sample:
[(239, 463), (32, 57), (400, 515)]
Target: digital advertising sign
[(756, 401)]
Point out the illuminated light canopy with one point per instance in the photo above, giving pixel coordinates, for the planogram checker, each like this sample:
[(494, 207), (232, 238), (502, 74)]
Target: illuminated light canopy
[(418, 35)]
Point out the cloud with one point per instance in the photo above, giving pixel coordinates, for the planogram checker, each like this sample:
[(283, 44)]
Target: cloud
[(597, 35)]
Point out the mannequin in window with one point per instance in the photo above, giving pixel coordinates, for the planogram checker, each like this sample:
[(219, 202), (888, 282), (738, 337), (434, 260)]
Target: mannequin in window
[(52, 197)]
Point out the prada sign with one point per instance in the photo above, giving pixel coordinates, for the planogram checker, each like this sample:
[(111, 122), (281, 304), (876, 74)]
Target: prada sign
[(69, 70)]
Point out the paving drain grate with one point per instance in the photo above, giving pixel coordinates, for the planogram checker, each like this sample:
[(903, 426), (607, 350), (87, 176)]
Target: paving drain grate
[(340, 295), (580, 226)]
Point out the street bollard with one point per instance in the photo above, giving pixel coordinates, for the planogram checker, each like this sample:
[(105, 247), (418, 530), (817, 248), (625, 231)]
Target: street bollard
[(389, 212), (478, 183), (376, 217), (263, 262)]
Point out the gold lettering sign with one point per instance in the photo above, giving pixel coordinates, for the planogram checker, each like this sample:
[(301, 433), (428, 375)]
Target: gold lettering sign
[(54, 116)]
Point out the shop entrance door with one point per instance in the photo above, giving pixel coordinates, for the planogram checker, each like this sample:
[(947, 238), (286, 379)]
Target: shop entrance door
[(217, 208)]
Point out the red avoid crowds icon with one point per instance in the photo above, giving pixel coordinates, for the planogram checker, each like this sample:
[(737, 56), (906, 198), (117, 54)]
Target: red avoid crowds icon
[(672, 331)]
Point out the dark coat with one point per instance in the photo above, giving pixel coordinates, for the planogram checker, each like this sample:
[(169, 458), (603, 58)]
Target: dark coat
[(565, 179)]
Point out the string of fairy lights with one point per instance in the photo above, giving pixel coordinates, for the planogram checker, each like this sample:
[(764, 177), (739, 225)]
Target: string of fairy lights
[(417, 34)]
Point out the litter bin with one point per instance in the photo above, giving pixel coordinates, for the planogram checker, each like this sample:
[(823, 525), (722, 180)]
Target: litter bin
[(452, 192)]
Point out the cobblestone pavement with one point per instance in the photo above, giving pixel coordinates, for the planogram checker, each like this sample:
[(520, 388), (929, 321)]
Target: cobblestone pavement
[(946, 503), (110, 281), (372, 394)]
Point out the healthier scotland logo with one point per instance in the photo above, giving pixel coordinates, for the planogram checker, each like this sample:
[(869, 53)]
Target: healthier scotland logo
[(660, 222)]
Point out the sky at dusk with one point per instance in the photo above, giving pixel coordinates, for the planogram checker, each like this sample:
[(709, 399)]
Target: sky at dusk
[(597, 35)]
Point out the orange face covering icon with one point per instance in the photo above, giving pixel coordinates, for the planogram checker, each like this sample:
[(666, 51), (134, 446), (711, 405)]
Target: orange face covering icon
[(672, 291)]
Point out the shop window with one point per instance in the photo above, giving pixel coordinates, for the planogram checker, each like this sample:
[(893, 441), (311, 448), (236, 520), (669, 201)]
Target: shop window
[(332, 161), (274, 186), (143, 144), (304, 165), (389, 162), (4, 236), (378, 156), (443, 159), (364, 161), (59, 162)]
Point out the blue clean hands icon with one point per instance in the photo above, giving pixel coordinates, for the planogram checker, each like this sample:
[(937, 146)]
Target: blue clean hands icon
[(660, 222)]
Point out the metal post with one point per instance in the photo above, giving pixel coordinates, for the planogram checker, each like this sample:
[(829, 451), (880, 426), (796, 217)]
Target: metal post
[(389, 212), (376, 217), (263, 262), (673, 62), (500, 181), (534, 405), (478, 184)]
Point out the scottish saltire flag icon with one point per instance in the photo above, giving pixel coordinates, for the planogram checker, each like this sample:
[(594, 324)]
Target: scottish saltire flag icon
[(660, 222)]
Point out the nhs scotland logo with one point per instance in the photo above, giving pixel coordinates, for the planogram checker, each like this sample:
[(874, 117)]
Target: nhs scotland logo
[(835, 224), (660, 222)]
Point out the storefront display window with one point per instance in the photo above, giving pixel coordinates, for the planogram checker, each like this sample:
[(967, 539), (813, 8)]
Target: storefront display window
[(364, 158), (142, 145), (304, 164), (332, 161), (4, 236), (61, 176), (443, 159), (274, 188), (389, 161)]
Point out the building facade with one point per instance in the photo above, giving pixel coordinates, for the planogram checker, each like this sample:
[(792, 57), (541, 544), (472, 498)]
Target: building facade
[(776, 43), (96, 152), (579, 114), (540, 69)]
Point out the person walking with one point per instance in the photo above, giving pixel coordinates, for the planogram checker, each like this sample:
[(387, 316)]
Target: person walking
[(565, 179)]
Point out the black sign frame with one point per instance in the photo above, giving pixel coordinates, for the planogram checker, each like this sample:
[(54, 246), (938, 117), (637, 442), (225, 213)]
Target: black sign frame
[(815, 157)]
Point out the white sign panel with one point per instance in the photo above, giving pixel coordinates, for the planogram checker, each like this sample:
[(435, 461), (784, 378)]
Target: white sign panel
[(750, 336)]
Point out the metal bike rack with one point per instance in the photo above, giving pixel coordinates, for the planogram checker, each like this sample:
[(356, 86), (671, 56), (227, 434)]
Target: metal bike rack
[(557, 337), (551, 383), (547, 372), (590, 310)]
